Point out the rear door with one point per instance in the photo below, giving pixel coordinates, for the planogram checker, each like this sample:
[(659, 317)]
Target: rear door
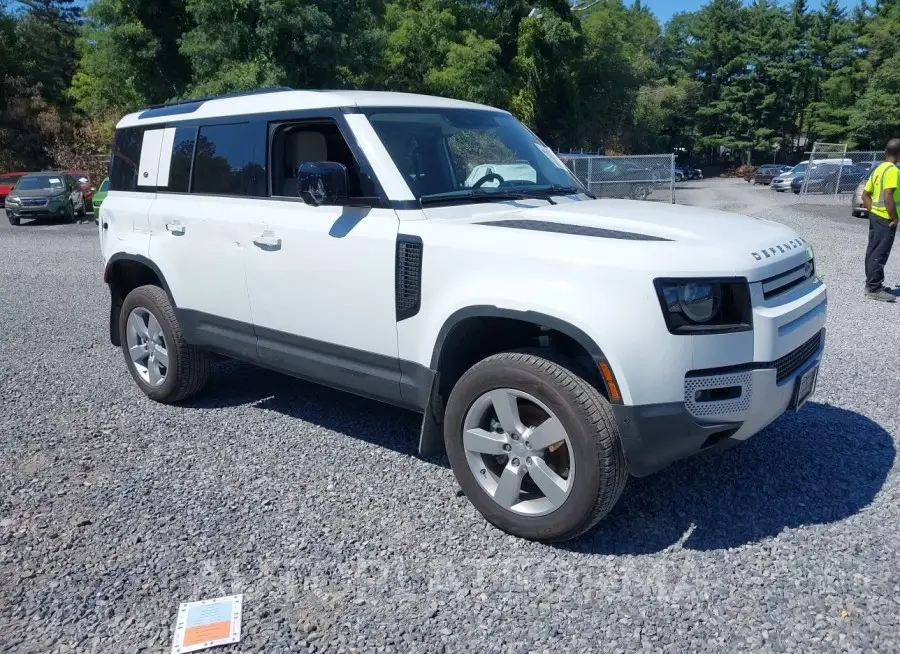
[(207, 211)]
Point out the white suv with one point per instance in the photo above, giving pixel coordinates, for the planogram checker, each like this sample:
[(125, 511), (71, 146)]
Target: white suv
[(554, 343)]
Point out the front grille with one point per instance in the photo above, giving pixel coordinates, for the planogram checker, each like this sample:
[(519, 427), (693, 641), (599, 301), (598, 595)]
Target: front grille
[(409, 276), (784, 367), (34, 202), (793, 278), (792, 362)]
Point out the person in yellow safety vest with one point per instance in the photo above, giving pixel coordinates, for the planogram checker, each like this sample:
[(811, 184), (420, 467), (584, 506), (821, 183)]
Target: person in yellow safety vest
[(881, 198)]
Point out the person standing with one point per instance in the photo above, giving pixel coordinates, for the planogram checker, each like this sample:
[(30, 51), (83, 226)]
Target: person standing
[(880, 198)]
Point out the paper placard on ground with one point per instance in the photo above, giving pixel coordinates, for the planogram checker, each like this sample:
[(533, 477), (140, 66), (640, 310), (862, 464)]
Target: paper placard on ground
[(207, 623)]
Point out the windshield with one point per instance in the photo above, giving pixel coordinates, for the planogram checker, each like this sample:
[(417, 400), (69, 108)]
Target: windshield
[(104, 186), (42, 183), (8, 179), (455, 151)]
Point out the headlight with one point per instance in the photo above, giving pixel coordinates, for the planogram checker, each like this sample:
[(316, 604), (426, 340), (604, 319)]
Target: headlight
[(11, 200), (705, 306)]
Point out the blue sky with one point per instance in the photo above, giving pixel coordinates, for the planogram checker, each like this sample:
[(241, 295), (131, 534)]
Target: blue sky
[(665, 8)]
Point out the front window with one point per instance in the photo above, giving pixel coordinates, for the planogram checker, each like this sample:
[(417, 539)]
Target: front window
[(460, 153), (42, 183)]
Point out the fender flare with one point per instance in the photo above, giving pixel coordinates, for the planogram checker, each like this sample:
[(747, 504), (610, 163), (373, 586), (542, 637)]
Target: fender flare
[(137, 258), (431, 440), (488, 311)]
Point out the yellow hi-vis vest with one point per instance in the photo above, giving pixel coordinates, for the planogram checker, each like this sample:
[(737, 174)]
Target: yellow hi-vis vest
[(884, 178)]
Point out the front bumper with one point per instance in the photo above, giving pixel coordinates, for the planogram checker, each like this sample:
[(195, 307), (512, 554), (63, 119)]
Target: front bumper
[(781, 184), (657, 435), (51, 209)]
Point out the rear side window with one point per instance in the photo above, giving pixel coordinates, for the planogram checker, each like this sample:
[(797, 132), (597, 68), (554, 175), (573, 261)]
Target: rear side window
[(126, 158), (182, 155), (229, 160)]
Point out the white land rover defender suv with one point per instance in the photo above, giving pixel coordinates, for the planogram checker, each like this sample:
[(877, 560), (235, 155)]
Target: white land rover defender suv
[(554, 343)]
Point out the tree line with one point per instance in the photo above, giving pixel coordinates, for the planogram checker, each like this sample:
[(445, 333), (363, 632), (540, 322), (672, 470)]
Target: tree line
[(730, 82)]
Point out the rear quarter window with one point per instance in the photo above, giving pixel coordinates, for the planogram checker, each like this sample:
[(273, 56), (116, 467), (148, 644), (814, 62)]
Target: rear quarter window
[(126, 158)]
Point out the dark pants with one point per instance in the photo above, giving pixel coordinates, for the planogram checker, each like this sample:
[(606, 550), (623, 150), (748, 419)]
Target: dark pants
[(881, 239)]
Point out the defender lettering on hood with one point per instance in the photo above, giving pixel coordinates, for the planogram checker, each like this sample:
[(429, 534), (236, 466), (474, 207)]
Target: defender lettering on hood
[(793, 244)]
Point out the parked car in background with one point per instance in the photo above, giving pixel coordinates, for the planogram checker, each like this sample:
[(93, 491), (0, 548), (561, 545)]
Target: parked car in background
[(783, 181), (683, 173), (7, 182), (623, 179), (45, 195), (858, 209), (766, 173), (83, 180), (99, 197), (830, 178)]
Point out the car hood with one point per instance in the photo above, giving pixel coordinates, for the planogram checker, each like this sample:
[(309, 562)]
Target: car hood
[(685, 238)]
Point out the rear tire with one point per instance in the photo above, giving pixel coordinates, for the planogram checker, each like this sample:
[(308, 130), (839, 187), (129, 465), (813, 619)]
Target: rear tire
[(187, 367), (640, 192), (596, 472)]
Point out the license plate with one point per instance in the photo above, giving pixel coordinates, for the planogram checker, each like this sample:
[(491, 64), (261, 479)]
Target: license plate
[(806, 386)]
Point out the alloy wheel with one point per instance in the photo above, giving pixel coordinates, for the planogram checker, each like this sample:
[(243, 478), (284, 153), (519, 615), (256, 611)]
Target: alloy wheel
[(147, 346), (519, 452)]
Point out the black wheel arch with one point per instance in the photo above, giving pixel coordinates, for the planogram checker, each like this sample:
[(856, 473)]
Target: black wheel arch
[(448, 367)]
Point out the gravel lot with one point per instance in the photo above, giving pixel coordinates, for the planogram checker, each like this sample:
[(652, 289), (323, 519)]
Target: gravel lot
[(313, 504)]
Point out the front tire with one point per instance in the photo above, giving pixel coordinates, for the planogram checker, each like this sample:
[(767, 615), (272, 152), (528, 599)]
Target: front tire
[(163, 365), (534, 446), (13, 220)]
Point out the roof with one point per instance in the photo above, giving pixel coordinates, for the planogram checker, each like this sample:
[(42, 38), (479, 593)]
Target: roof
[(276, 100)]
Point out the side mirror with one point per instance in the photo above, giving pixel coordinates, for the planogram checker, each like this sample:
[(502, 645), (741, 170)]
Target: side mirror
[(322, 182)]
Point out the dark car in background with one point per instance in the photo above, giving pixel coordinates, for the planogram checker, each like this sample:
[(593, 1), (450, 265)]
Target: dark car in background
[(831, 178), (45, 195), (7, 182), (683, 173), (766, 173), (624, 179)]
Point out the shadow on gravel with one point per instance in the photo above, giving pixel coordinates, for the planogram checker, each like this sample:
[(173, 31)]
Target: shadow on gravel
[(238, 384), (818, 466)]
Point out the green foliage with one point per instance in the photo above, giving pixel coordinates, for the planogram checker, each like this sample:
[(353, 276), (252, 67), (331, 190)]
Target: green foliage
[(731, 82)]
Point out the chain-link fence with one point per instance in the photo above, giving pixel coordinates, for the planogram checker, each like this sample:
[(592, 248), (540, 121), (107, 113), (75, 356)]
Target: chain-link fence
[(638, 177), (833, 174)]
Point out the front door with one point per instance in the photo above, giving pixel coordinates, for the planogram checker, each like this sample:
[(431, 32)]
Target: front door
[(321, 279)]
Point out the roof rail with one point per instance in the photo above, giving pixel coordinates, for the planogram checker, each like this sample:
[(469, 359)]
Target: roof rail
[(235, 94)]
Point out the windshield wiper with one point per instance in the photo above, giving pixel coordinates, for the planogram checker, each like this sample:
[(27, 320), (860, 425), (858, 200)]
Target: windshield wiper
[(484, 195)]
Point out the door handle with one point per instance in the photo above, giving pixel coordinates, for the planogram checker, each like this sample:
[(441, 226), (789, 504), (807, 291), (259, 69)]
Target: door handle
[(175, 228), (268, 240)]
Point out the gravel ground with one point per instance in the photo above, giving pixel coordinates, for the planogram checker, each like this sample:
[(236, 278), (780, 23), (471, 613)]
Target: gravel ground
[(313, 504)]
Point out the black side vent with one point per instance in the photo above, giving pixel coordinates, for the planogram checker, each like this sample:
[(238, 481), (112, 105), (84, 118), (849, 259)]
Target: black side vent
[(409, 276)]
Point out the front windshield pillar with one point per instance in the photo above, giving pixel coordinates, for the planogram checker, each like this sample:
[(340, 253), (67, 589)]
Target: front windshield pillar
[(389, 176)]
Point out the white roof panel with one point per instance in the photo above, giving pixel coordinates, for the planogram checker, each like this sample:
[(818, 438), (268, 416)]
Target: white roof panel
[(298, 101)]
